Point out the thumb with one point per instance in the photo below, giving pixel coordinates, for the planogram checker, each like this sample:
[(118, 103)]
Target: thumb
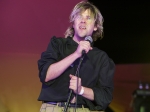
[(70, 75)]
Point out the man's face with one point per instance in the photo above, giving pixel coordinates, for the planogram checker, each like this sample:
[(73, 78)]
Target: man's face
[(84, 24)]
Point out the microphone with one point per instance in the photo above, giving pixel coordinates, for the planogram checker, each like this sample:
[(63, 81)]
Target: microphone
[(90, 40)]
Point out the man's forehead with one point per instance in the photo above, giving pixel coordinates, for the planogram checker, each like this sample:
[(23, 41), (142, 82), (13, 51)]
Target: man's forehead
[(87, 12)]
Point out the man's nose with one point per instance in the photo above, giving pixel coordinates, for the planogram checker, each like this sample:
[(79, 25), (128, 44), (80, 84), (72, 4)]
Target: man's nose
[(83, 20)]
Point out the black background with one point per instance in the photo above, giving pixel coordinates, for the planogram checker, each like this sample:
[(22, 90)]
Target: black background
[(126, 30)]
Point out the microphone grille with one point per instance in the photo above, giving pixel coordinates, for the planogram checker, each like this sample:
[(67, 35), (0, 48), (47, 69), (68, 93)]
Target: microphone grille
[(89, 38)]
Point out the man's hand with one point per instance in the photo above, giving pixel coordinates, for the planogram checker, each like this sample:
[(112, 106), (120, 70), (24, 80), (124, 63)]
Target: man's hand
[(83, 45), (73, 83)]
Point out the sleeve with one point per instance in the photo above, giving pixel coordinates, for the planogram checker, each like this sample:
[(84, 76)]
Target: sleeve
[(50, 56), (103, 91)]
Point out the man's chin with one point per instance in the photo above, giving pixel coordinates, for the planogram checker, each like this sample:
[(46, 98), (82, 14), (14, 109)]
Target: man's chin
[(82, 36)]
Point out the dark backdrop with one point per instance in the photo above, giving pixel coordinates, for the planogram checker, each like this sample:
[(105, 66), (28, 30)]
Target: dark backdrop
[(126, 30)]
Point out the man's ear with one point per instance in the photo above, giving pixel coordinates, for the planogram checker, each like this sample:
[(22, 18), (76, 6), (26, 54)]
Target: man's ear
[(72, 25), (95, 28)]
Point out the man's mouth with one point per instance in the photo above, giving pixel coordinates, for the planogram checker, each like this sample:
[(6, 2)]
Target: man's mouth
[(82, 27)]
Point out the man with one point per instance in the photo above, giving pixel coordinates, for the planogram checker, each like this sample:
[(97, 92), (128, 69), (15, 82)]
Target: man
[(91, 83)]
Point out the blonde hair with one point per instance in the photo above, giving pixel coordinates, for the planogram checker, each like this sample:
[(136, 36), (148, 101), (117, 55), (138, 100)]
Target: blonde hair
[(80, 7)]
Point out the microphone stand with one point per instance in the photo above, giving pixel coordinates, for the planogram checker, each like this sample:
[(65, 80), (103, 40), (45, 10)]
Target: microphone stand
[(77, 74)]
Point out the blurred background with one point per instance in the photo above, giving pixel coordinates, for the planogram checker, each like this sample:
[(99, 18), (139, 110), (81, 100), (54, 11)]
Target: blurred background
[(26, 28)]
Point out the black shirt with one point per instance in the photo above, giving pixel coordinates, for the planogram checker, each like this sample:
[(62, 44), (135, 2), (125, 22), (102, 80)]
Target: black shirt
[(96, 72)]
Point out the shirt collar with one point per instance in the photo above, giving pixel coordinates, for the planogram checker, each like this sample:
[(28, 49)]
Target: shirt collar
[(72, 42)]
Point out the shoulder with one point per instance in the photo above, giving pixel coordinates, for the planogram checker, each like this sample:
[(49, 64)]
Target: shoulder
[(57, 41), (101, 55), (98, 52)]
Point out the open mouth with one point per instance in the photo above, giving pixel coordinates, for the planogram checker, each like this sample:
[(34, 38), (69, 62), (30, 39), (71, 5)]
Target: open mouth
[(82, 27)]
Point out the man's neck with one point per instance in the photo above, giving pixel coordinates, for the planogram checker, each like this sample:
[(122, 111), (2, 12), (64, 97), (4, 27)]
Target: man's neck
[(78, 39)]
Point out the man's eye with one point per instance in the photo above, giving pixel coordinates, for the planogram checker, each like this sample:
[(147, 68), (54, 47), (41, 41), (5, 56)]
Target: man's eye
[(79, 16), (88, 17)]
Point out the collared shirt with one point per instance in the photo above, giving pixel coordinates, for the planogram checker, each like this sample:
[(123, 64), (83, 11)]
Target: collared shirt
[(96, 72)]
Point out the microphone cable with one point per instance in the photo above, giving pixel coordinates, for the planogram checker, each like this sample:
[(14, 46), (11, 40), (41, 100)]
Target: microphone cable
[(76, 74), (90, 40)]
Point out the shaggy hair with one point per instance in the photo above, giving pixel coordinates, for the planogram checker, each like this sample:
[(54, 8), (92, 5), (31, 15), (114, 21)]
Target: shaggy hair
[(81, 7)]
